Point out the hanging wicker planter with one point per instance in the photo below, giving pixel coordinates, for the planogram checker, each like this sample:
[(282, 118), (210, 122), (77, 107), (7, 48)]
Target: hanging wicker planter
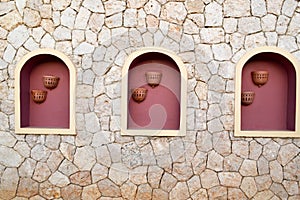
[(38, 96), (247, 97), (153, 78), (139, 94), (260, 78), (50, 82)]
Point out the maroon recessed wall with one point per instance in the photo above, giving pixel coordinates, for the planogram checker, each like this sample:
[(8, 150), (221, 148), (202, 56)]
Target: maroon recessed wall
[(274, 104), (161, 108), (54, 112)]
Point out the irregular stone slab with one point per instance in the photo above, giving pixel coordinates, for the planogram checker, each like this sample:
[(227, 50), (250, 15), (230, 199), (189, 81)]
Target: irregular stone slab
[(9, 157), (71, 192), (263, 182), (167, 182), (248, 186), (180, 191), (114, 6), (18, 36), (144, 192), (138, 175), (9, 183), (27, 187), (49, 191), (82, 178), (59, 179), (154, 176), (85, 158), (230, 179), (287, 153), (128, 190), (209, 179), (182, 171), (55, 160), (248, 168), (213, 14), (7, 139), (60, 4), (118, 173), (32, 18), (108, 188), (158, 194), (235, 193), (99, 172), (276, 171), (194, 184), (93, 6), (174, 12), (218, 192), (10, 20), (131, 155), (233, 8), (41, 172), (91, 192)]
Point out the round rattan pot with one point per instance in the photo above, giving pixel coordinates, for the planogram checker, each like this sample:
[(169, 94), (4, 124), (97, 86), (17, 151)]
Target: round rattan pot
[(38, 96), (50, 82), (139, 94), (153, 78), (247, 97), (260, 78)]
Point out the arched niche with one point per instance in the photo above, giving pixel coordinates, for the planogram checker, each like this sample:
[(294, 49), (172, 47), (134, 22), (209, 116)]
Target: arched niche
[(163, 112), (56, 115), (274, 110)]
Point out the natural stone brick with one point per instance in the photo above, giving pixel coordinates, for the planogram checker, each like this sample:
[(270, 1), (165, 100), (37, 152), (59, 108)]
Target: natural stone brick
[(263, 182), (209, 179), (174, 12), (167, 182), (108, 188), (230, 179), (9, 183), (180, 191), (91, 192), (218, 192), (233, 8), (248, 168), (27, 187), (82, 178), (248, 186), (128, 190), (154, 176), (71, 192), (13, 160), (276, 171)]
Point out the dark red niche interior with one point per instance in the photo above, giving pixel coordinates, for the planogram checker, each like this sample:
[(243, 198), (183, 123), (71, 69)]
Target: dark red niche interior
[(54, 112), (274, 105), (161, 108)]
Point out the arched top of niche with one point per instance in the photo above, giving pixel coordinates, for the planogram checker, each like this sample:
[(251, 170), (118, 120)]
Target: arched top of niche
[(280, 60), (41, 62), (134, 57), (139, 61)]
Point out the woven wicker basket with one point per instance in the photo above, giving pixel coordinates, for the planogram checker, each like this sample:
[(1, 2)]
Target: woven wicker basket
[(153, 78), (260, 77), (139, 94), (38, 96), (247, 97), (50, 82)]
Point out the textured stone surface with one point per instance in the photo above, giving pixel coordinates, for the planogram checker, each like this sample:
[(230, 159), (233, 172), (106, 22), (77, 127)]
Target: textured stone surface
[(98, 162)]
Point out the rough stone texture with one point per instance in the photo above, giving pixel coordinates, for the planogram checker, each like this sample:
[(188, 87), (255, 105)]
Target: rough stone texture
[(99, 163)]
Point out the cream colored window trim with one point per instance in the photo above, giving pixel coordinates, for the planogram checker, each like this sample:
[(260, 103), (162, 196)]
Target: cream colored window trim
[(124, 99), (72, 95), (238, 82)]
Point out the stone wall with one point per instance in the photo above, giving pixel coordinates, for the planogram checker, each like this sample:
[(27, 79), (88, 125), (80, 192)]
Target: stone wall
[(99, 163)]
